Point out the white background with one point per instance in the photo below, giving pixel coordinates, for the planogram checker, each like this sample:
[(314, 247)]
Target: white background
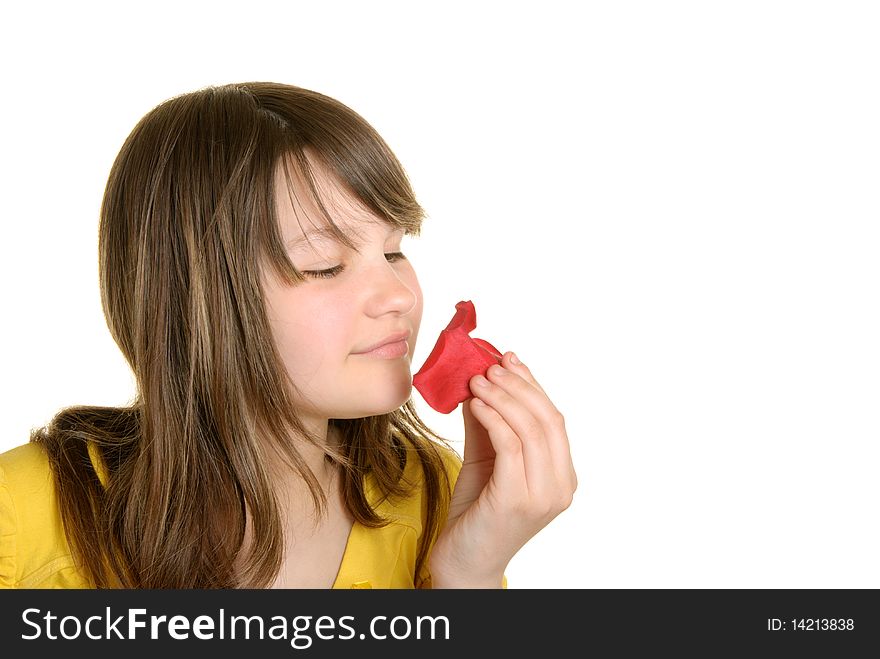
[(669, 210)]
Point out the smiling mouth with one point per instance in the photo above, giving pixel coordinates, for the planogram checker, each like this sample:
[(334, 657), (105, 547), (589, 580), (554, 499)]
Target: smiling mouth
[(390, 350), (390, 340)]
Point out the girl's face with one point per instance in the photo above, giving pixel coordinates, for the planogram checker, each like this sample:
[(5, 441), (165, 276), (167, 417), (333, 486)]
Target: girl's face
[(323, 326)]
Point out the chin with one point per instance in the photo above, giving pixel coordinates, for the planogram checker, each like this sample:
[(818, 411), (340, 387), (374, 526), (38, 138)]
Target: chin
[(380, 402)]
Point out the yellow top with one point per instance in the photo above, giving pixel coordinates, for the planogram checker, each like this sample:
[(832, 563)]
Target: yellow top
[(34, 552)]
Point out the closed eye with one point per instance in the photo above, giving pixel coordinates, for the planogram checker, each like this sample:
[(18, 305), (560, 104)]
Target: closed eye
[(329, 273)]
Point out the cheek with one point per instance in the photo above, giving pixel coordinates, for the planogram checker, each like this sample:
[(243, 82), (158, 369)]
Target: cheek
[(310, 334)]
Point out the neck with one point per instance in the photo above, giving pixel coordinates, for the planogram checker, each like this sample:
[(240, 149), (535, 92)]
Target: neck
[(291, 487)]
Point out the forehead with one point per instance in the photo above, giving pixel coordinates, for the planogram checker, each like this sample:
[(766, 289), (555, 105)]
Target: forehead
[(303, 222)]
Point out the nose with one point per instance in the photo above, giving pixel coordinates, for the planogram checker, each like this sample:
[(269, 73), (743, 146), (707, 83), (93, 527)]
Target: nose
[(389, 291)]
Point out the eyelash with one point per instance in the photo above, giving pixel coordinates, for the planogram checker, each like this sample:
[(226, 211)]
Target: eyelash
[(393, 257)]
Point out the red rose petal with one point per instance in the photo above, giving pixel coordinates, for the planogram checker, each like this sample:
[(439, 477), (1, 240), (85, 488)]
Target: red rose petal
[(456, 358)]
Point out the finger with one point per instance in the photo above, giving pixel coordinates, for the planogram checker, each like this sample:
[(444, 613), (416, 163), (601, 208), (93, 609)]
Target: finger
[(510, 361), (511, 380), (528, 431), (509, 467)]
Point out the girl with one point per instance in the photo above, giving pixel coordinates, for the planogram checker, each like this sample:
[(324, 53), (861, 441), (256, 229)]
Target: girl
[(250, 261)]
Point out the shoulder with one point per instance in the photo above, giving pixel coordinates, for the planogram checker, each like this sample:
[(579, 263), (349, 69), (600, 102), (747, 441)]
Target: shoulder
[(449, 459), (25, 480), (24, 464), (452, 462), (386, 557), (33, 548), (410, 511)]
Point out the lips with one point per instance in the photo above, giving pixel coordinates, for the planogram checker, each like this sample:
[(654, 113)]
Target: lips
[(456, 358), (392, 338)]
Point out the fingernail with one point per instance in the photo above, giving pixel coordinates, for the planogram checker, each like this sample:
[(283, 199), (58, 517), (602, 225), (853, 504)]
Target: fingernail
[(481, 381), (513, 358)]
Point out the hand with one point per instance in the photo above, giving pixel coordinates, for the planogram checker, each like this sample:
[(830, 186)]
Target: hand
[(517, 475)]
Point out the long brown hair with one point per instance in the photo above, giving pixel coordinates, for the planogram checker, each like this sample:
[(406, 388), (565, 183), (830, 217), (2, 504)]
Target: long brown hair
[(188, 220)]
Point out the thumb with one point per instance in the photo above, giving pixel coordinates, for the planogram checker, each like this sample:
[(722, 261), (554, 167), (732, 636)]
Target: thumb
[(477, 445)]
